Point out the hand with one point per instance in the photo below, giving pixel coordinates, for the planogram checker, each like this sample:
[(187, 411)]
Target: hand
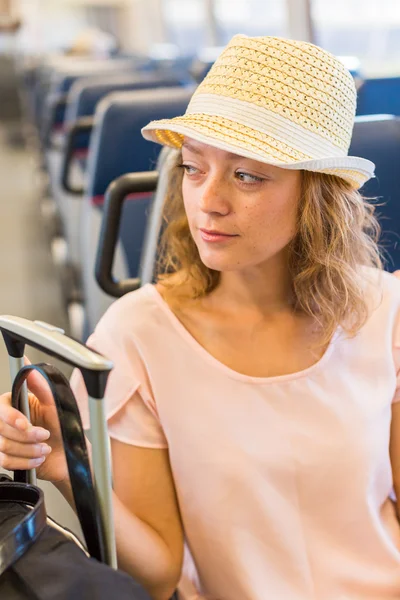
[(396, 274), (38, 444)]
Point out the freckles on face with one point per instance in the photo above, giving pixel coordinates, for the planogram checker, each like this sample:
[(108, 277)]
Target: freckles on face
[(255, 204), (269, 221)]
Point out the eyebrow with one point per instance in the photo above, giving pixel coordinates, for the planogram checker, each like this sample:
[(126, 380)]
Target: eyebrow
[(191, 148)]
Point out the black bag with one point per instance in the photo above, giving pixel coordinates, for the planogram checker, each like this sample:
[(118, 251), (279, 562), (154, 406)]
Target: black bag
[(45, 563), (39, 560)]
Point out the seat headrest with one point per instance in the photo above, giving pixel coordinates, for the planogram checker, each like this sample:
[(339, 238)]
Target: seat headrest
[(380, 95), (116, 145), (378, 139)]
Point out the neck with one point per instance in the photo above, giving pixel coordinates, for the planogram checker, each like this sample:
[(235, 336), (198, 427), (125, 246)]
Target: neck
[(266, 288)]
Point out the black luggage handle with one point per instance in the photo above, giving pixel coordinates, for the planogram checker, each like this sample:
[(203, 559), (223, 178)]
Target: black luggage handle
[(82, 125), (86, 501), (17, 332), (116, 193)]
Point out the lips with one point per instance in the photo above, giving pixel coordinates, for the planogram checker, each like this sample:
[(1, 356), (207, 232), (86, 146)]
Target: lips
[(214, 236), (217, 233)]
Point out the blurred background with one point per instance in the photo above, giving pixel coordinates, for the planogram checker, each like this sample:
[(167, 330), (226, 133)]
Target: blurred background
[(368, 29)]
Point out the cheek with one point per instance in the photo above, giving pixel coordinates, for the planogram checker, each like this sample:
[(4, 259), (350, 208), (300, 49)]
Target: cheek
[(271, 219), (189, 201)]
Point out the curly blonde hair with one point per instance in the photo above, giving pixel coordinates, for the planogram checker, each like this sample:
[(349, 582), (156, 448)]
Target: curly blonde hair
[(337, 232)]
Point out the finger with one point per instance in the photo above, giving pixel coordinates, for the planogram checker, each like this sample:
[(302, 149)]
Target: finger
[(31, 435), (14, 463), (14, 425), (396, 274), (40, 388), (11, 415), (18, 449)]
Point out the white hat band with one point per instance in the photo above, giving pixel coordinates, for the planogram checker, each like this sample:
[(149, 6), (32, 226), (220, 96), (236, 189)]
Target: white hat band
[(265, 121)]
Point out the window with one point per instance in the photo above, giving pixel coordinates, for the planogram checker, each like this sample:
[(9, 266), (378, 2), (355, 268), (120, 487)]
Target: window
[(186, 24), (48, 26), (252, 17), (195, 24), (368, 29)]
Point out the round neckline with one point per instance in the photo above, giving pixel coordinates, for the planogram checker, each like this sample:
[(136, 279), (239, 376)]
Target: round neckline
[(187, 336)]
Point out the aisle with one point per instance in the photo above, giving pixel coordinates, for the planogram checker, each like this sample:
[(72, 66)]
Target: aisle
[(29, 284)]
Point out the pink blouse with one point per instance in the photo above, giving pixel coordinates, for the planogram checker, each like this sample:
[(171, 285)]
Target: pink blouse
[(283, 482)]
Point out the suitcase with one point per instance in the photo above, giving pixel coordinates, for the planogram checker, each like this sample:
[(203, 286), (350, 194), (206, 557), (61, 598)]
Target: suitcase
[(93, 499)]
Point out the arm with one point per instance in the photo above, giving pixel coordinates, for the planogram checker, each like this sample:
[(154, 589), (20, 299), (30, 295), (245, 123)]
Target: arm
[(149, 533), (148, 528), (395, 450)]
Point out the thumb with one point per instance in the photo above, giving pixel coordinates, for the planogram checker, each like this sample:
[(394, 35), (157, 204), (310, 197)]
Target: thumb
[(39, 387)]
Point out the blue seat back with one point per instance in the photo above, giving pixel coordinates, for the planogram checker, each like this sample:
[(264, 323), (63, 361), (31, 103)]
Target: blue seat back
[(117, 147), (64, 79), (377, 138), (87, 93), (379, 96)]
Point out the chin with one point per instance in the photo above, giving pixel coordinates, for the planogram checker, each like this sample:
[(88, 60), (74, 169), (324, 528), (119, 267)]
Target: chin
[(219, 263)]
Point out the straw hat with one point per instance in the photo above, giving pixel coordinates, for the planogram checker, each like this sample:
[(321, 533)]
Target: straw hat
[(283, 102)]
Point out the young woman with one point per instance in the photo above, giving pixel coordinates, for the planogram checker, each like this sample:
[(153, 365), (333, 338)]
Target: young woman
[(252, 409)]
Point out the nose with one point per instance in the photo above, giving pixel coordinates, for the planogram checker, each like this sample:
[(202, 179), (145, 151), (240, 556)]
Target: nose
[(214, 196)]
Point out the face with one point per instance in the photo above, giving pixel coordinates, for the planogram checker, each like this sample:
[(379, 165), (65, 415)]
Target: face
[(242, 213)]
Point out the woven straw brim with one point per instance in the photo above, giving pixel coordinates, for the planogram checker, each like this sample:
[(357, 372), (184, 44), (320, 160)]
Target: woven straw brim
[(234, 137)]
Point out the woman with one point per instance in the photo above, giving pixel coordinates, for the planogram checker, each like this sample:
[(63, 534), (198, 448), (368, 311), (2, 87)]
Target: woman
[(253, 399)]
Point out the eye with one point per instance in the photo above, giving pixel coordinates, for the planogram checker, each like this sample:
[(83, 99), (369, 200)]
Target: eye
[(189, 169), (247, 178)]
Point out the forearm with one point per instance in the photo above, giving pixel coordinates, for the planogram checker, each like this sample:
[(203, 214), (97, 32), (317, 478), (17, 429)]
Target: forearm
[(141, 551)]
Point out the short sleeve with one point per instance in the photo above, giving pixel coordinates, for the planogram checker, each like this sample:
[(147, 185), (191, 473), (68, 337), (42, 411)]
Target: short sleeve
[(131, 410)]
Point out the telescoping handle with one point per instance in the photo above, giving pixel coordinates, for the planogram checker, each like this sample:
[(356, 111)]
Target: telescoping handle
[(19, 332)]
